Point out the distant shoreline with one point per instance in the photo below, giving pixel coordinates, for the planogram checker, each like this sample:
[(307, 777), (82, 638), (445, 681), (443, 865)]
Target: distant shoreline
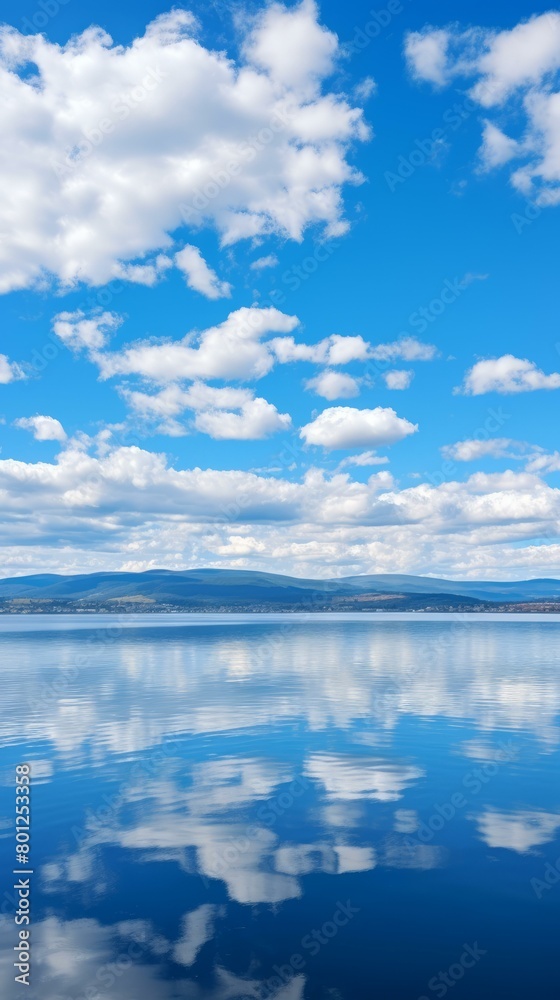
[(521, 608)]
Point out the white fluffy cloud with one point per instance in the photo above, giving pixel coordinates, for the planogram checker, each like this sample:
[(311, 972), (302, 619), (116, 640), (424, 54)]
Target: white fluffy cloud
[(255, 419), (114, 147), (405, 349), (535, 459), (237, 348), (398, 379), (80, 333), (542, 463), (347, 427), (472, 449), (270, 260), (496, 148), (231, 350), (341, 350), (333, 385), (364, 459), (222, 413), (43, 428), (199, 276), (129, 508), (333, 350), (507, 374), (9, 370), (516, 72)]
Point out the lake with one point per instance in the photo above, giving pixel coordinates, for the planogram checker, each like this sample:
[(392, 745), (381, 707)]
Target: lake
[(328, 807)]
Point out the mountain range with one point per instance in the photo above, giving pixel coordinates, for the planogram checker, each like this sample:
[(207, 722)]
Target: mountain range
[(209, 589)]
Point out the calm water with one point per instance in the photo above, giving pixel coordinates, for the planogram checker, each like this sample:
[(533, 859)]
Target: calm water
[(275, 806)]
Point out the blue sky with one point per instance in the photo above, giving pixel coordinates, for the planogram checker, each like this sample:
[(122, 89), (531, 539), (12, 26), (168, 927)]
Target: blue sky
[(405, 195)]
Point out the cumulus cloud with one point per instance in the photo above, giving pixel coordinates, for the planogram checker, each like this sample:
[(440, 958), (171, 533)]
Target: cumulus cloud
[(472, 449), (256, 419), (507, 374), (43, 428), (405, 349), (80, 332), (497, 148), (231, 350), (515, 72), (333, 350), (333, 385), (365, 458), (238, 348), (106, 165), (341, 350), (222, 413), (127, 508), (536, 459), (397, 379), (199, 276), (9, 370), (347, 427), (427, 54)]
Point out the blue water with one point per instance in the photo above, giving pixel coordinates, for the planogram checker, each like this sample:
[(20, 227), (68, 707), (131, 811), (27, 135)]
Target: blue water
[(335, 807)]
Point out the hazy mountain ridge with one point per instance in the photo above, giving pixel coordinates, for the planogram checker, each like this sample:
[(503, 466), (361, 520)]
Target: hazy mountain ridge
[(246, 586)]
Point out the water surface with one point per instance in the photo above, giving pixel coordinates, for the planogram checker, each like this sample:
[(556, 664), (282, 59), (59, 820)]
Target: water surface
[(291, 806)]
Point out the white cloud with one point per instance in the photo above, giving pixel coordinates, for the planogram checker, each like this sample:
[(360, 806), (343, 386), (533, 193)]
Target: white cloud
[(9, 370), (234, 349), (333, 385), (473, 449), (256, 419), (541, 463), (405, 349), (398, 379), (79, 332), (365, 88), (127, 508), (271, 260), (497, 148), (515, 71), (346, 427), (214, 407), (426, 53), (43, 428), (173, 400), (507, 374), (199, 276), (364, 459), (341, 350), (333, 350), (144, 274), (106, 165), (292, 47), (231, 350)]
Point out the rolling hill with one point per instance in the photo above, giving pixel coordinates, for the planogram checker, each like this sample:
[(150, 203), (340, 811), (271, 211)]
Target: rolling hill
[(208, 588)]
